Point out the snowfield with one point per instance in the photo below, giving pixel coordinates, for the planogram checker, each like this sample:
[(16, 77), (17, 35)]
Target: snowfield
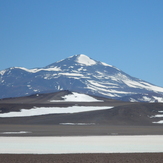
[(77, 97), (52, 110)]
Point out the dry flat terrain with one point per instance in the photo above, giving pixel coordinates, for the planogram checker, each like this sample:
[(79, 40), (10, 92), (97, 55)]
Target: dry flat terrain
[(78, 130), (124, 119), (83, 158)]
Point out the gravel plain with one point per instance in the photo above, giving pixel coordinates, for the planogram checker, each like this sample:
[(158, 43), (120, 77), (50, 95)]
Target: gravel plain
[(83, 158)]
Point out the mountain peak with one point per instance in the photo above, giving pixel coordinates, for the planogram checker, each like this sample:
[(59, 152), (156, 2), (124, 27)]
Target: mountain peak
[(78, 73), (85, 60)]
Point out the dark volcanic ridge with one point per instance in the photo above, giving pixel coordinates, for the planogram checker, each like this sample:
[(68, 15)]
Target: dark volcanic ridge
[(114, 113)]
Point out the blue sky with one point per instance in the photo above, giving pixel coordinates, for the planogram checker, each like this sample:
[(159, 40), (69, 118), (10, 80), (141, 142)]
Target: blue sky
[(125, 33)]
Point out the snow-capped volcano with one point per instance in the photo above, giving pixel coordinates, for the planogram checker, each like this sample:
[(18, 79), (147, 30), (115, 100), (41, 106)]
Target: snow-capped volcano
[(83, 59), (78, 73)]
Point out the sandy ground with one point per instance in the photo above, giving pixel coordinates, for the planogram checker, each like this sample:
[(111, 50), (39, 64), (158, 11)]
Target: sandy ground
[(83, 158)]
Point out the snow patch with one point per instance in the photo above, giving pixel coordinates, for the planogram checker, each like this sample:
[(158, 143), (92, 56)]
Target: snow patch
[(2, 72), (159, 99), (160, 122), (52, 69), (77, 97), (147, 99), (70, 74), (158, 115), (83, 59), (19, 132), (81, 68), (133, 100), (77, 124)]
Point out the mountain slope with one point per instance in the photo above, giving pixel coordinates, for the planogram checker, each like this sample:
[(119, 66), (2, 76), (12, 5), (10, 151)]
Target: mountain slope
[(78, 73)]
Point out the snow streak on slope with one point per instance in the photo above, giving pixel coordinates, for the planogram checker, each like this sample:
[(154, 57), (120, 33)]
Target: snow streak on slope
[(160, 116), (159, 122), (105, 64), (2, 72), (77, 97), (53, 110), (39, 69)]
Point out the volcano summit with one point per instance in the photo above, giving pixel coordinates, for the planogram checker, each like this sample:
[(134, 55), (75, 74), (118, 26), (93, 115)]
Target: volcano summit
[(78, 73)]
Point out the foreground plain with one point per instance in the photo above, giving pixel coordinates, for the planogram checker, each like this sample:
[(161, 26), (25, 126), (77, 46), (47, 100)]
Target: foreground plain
[(83, 158), (78, 130)]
